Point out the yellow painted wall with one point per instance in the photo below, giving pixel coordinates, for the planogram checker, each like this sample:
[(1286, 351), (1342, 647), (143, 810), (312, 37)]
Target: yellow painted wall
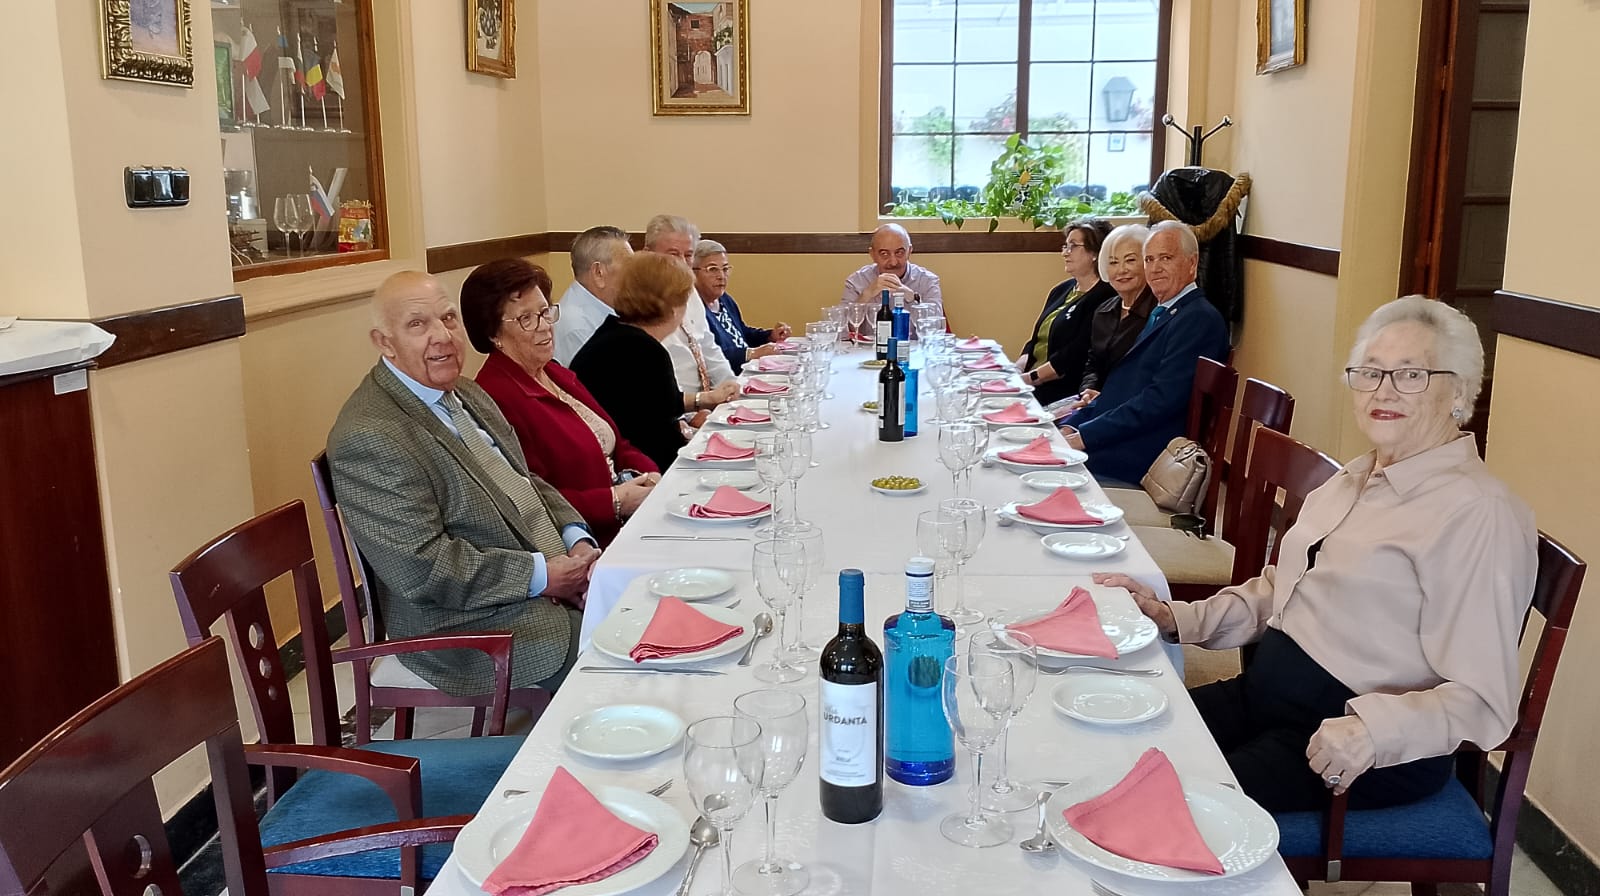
[(1543, 431)]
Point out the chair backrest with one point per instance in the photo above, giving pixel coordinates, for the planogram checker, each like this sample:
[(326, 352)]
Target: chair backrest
[(347, 564), (226, 579), (89, 781), (1278, 464), (1210, 407), (1262, 403)]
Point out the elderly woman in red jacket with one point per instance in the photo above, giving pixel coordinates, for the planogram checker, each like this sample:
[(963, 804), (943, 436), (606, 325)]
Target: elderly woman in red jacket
[(568, 439)]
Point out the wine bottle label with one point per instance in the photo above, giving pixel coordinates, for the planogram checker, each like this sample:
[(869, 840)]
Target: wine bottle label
[(848, 736)]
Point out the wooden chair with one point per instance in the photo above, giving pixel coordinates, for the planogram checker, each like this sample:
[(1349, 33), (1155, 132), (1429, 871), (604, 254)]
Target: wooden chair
[(1210, 410), (381, 681), (1465, 833), (86, 788), (225, 579)]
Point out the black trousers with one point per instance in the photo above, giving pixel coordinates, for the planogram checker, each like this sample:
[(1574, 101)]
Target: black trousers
[(1264, 718)]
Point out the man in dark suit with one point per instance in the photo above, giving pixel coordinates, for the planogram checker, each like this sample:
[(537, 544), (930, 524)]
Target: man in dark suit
[(1145, 400), (437, 494)]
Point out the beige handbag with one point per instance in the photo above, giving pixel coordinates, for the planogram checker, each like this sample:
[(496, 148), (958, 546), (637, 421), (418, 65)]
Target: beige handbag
[(1177, 479)]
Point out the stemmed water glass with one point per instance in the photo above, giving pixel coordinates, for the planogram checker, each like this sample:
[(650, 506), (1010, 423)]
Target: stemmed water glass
[(770, 447), (784, 733), (723, 764), (961, 444), (940, 535), (780, 571), (1018, 649), (974, 522), (809, 535), (855, 313), (977, 691), (929, 324), (796, 460)]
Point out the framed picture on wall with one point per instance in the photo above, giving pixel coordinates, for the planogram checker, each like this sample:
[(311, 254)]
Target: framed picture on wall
[(699, 57), (1280, 35), (146, 40), (227, 111), (492, 37)]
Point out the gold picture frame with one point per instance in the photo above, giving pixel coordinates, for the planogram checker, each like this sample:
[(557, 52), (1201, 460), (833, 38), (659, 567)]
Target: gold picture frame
[(146, 40), (700, 57), (1280, 35), (492, 37)]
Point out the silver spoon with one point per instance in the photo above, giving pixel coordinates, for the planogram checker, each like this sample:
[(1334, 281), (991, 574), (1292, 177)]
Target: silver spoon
[(1040, 841), (763, 624), (1141, 673), (702, 835)]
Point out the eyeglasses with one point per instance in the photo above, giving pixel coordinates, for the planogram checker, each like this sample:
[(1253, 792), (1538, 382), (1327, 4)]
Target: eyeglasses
[(1069, 247), (1407, 380), (725, 270), (527, 320)]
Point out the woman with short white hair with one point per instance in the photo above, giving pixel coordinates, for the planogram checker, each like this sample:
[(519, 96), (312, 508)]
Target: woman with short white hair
[(1387, 633), (1119, 320)]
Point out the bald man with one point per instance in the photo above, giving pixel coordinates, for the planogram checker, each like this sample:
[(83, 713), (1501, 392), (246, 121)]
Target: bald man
[(891, 269), (437, 494)]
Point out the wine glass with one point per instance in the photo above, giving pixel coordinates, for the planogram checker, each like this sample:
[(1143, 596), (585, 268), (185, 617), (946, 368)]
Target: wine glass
[(939, 534), (809, 535), (972, 516), (308, 218), (784, 733), (782, 409), (955, 446), (796, 460), (769, 469), (285, 220), (856, 313), (1018, 649), (723, 764), (977, 691), (780, 571), (972, 450)]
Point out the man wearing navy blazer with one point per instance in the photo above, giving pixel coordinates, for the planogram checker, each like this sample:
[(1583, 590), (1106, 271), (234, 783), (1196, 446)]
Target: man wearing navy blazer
[(1145, 401)]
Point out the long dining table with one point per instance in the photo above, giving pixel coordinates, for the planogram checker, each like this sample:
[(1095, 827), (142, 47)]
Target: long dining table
[(902, 851)]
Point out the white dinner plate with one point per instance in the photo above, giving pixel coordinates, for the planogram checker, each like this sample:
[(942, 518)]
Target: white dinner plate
[(491, 835), (1050, 480), (1072, 456), (1240, 833), (679, 507), (1019, 434), (723, 411), (624, 732), (619, 633), (983, 345), (1108, 514), (1128, 631), (1001, 373), (1109, 700), (1083, 545), (691, 451), (1038, 419), (743, 480), (1002, 368), (691, 584)]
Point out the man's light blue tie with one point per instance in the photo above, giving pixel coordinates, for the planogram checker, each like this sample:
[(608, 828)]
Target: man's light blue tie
[(1150, 324)]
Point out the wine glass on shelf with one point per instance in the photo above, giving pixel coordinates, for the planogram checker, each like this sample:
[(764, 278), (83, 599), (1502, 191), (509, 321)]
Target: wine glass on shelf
[(939, 535), (723, 764), (285, 220), (1018, 649), (307, 214), (784, 733), (974, 522), (977, 692), (809, 535), (779, 566)]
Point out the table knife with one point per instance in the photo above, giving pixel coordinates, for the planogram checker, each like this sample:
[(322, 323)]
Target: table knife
[(650, 671), (694, 538)]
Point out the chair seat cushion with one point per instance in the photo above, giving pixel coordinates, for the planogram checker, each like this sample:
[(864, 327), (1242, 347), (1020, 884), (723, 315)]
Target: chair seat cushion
[(458, 774), (1187, 560), (1447, 825), (1138, 508)]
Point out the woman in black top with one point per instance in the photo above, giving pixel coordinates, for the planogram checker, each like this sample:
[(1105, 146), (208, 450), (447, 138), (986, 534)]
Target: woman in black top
[(627, 369), (1054, 358), (1119, 320)]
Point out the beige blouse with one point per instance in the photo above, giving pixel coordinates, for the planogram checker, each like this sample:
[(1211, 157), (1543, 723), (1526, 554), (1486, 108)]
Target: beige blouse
[(1415, 602), (602, 431)]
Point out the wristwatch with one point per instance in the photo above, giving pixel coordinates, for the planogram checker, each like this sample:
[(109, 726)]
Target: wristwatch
[(1033, 376)]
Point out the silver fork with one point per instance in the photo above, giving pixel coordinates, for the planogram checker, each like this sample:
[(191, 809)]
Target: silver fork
[(1102, 889), (657, 790)]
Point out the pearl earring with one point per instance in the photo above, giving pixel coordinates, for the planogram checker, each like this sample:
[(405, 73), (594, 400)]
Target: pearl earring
[(1457, 413)]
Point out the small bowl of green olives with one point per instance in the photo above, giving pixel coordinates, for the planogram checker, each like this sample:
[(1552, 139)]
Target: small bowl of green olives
[(898, 486)]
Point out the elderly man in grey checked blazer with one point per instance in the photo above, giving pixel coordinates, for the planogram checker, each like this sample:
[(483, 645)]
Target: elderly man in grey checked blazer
[(437, 494)]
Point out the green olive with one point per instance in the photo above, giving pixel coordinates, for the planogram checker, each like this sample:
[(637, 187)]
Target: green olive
[(897, 483)]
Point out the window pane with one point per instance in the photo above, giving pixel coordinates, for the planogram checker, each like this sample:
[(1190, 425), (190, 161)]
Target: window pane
[(1115, 109), (986, 98), (921, 162), (1075, 157), (1126, 30), (1058, 96), (974, 155), (1119, 170), (922, 98), (1063, 31), (986, 31), (924, 31)]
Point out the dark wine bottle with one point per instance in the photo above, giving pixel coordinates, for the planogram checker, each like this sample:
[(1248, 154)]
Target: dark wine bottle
[(850, 737), (884, 327), (891, 399)]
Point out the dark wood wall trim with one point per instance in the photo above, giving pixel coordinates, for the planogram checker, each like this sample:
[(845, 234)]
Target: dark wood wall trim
[(159, 331), (1573, 328), (470, 255), (1316, 259)]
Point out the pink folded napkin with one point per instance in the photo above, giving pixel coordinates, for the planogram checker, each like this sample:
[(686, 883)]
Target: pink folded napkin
[(1062, 506), (1015, 412), (1072, 627), (748, 415), (987, 362), (1003, 387), (758, 386), (678, 628), (789, 347), (719, 448), (572, 839), (1036, 452), (776, 365), (727, 502), (970, 342), (1145, 818)]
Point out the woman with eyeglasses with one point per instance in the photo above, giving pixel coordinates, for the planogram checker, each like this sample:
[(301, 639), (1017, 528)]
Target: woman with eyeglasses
[(1387, 632), (1058, 348), (569, 440), (739, 341)]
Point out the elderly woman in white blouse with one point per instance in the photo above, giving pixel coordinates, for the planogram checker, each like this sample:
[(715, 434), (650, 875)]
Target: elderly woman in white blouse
[(1388, 630)]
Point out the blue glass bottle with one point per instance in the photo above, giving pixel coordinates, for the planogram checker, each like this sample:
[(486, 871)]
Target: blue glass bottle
[(920, 749)]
